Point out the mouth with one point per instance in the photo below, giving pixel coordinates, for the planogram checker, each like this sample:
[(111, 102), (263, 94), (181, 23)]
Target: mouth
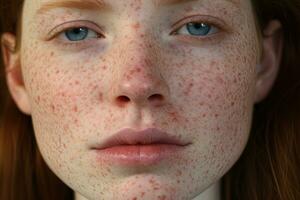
[(146, 147)]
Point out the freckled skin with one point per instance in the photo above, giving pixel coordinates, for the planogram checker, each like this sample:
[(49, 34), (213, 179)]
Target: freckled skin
[(139, 75)]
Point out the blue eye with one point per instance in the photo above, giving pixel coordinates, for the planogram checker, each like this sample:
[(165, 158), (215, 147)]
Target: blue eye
[(197, 29), (78, 34)]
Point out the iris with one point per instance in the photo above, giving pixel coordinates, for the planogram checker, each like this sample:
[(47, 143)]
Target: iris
[(77, 34), (198, 29)]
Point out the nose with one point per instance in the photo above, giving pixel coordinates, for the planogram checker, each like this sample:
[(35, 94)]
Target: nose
[(139, 80), (141, 88)]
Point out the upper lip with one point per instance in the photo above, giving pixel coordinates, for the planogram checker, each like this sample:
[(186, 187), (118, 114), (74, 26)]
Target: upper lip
[(129, 136)]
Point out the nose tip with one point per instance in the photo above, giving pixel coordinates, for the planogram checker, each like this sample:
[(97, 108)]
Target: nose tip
[(142, 92)]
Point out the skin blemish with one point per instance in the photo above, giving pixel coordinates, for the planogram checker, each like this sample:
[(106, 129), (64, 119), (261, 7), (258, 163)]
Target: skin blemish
[(128, 77), (132, 73), (162, 197), (75, 109), (52, 107), (100, 97), (179, 173), (136, 70), (188, 89), (136, 26), (174, 116)]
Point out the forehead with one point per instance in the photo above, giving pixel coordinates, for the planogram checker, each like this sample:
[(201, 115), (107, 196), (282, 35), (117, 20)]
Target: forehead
[(90, 4)]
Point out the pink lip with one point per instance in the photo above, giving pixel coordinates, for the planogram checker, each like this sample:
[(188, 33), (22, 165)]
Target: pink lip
[(146, 147)]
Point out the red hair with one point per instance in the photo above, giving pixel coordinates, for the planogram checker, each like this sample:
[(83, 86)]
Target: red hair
[(267, 169)]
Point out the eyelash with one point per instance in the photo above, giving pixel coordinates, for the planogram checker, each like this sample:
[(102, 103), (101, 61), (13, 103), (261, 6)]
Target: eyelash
[(207, 20)]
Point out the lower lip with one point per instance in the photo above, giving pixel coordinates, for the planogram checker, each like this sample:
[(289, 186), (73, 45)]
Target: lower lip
[(138, 154)]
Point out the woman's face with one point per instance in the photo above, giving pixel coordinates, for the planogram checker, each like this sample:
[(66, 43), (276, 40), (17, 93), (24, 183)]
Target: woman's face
[(183, 67)]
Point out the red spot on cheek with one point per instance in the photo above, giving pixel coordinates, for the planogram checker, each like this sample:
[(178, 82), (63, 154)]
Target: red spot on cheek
[(220, 80), (52, 107), (163, 197), (174, 116), (100, 97), (75, 109), (188, 89), (134, 198), (179, 173), (151, 181), (136, 25), (128, 77)]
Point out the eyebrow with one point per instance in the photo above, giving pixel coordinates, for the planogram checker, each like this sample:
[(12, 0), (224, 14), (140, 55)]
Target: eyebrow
[(100, 4), (170, 2), (80, 4)]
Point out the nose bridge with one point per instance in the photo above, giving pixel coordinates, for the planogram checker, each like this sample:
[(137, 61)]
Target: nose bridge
[(139, 79)]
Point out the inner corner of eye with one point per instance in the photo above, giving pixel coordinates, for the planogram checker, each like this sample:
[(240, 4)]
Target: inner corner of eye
[(174, 32)]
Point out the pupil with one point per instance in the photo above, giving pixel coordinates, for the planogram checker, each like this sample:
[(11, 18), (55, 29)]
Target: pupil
[(197, 26), (77, 30)]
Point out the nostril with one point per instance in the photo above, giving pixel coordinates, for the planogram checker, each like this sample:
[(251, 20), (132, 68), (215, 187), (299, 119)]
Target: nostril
[(122, 101), (156, 98)]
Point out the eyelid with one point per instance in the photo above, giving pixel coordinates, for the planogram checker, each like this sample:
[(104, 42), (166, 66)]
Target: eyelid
[(203, 19), (73, 24)]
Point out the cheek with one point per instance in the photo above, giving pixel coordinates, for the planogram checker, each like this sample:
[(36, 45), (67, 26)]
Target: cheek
[(211, 85), (215, 92), (62, 88), (63, 92)]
